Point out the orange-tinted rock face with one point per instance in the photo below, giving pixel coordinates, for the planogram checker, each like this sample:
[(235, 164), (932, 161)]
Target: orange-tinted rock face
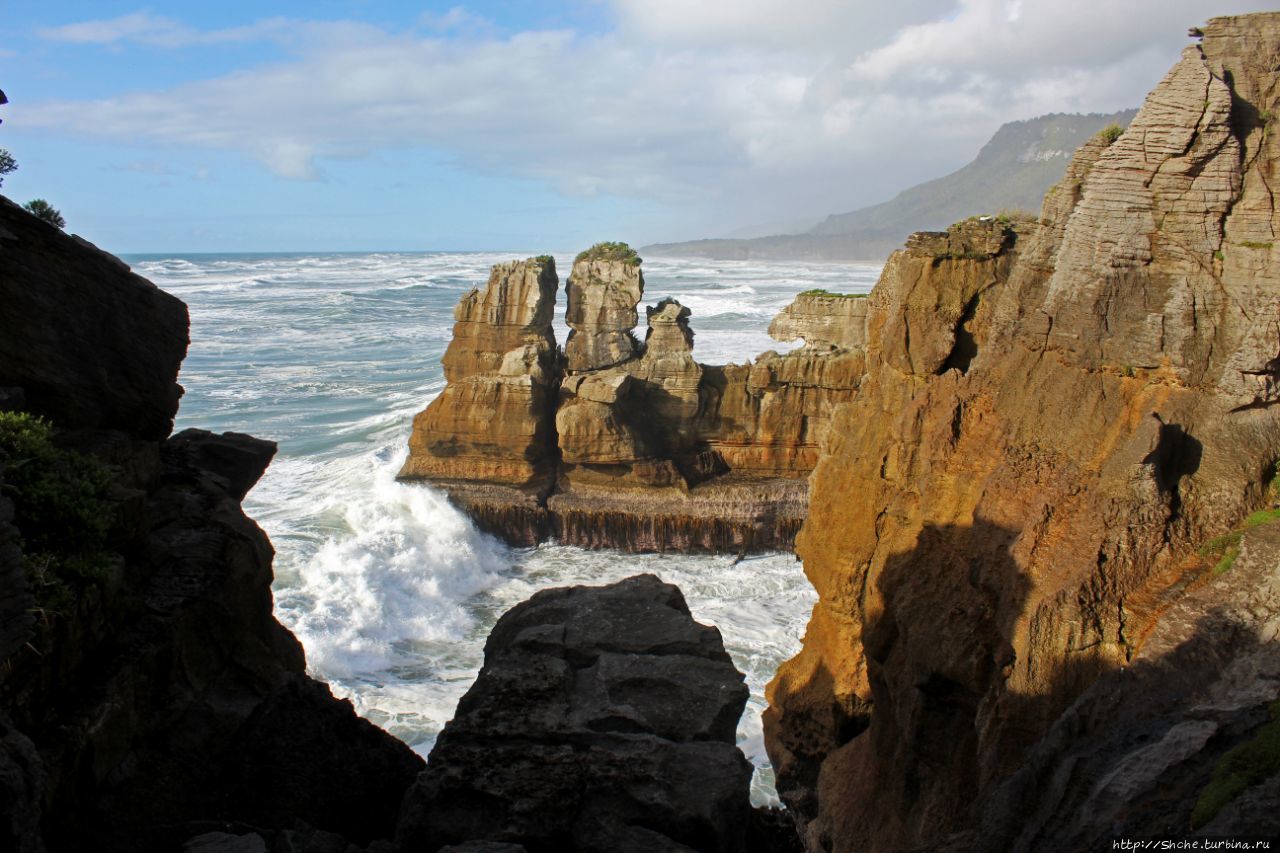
[(626, 444), (1052, 420), (493, 422)]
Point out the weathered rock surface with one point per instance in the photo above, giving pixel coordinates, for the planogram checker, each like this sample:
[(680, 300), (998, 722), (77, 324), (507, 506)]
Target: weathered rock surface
[(603, 719), (1054, 417), (823, 320), (1135, 753), (603, 295), (652, 450), (491, 432), (155, 698)]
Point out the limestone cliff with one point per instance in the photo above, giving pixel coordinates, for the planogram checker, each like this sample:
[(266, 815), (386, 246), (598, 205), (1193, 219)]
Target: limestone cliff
[(1055, 417), (637, 445)]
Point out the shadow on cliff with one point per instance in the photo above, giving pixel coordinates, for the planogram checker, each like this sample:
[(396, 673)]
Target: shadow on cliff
[(1177, 744), (937, 643), (938, 651), (947, 754)]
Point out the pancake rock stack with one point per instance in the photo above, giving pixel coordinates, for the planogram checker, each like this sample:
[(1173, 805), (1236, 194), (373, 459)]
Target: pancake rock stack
[(634, 444), (490, 433), (1058, 424)]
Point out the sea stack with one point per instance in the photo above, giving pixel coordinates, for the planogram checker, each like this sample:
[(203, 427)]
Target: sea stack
[(490, 433), (621, 443), (604, 289)]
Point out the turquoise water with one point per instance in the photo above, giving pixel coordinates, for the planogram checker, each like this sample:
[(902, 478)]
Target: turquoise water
[(391, 591)]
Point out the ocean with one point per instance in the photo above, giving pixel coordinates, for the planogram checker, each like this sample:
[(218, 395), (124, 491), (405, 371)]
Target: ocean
[(390, 589)]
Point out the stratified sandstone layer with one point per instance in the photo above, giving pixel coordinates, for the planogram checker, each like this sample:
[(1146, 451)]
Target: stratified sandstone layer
[(823, 319), (603, 719), (651, 450), (490, 433), (1054, 418), (603, 294)]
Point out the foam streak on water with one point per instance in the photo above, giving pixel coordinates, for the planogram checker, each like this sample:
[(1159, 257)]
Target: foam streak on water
[(392, 591)]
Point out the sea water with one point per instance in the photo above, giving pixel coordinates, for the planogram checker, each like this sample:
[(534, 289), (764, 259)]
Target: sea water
[(392, 591)]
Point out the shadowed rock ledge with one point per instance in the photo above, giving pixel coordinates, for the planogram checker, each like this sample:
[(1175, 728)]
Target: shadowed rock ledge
[(627, 444)]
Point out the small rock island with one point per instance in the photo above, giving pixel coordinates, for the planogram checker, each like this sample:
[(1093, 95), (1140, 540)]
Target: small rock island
[(612, 441)]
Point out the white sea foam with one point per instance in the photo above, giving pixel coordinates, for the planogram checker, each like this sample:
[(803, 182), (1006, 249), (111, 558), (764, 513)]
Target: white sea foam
[(391, 591)]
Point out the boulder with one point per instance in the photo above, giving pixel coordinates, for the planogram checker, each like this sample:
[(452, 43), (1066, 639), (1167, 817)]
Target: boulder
[(603, 719)]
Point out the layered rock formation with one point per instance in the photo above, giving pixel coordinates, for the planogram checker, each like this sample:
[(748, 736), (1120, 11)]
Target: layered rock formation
[(604, 289), (652, 450), (490, 433), (603, 719), (147, 693), (1053, 419)]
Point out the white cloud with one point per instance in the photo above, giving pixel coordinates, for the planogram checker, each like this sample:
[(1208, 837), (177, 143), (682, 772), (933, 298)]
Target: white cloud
[(156, 31), (761, 108), (841, 25)]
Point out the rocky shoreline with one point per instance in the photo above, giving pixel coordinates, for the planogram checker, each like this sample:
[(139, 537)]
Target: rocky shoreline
[(1042, 521)]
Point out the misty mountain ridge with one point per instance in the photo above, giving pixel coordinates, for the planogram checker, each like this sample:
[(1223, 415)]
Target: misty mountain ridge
[(1012, 172)]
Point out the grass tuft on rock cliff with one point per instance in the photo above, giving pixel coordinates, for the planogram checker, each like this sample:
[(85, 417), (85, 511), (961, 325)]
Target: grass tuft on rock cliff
[(611, 252), (1244, 766), (818, 291), (1111, 133), (61, 508)]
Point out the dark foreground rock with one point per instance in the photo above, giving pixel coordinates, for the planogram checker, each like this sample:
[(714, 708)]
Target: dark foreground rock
[(89, 343), (603, 719), (147, 693)]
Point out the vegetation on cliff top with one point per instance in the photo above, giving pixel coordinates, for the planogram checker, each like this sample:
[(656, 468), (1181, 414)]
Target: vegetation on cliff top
[(611, 252), (41, 209), (1111, 133), (7, 164), (818, 291)]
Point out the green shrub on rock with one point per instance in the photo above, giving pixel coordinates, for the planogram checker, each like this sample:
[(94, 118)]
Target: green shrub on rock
[(61, 508), (610, 252), (41, 209)]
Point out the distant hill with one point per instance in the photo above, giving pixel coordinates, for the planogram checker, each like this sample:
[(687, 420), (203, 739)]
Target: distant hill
[(1011, 172)]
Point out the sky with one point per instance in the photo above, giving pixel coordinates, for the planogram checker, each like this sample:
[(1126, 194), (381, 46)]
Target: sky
[(370, 125)]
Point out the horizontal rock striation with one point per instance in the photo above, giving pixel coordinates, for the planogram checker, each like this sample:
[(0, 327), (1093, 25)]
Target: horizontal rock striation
[(1055, 418), (651, 450), (491, 434), (603, 719)]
